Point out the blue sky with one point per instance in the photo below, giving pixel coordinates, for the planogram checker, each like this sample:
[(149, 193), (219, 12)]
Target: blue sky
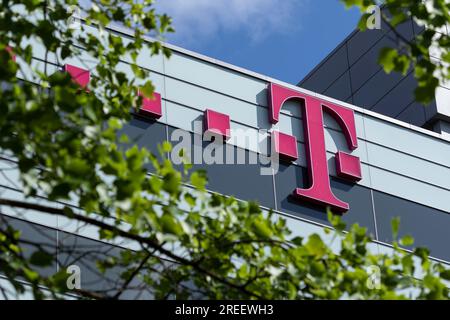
[(283, 39)]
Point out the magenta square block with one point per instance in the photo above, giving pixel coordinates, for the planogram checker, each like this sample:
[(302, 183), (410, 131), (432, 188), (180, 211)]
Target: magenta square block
[(79, 75), (285, 145), (348, 166), (151, 107), (217, 123)]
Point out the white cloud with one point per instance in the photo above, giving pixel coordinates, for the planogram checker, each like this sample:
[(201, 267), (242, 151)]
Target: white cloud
[(197, 20)]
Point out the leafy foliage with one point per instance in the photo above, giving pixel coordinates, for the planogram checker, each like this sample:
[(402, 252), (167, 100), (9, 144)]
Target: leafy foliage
[(428, 52), (186, 242)]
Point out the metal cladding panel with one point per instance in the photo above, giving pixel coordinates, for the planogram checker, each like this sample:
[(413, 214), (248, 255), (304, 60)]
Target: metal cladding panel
[(410, 142), (32, 234), (428, 226), (328, 71), (217, 78), (413, 167), (375, 88), (290, 177), (443, 101), (361, 42), (242, 180), (410, 165), (415, 113), (157, 79), (398, 99), (192, 120), (341, 88), (200, 98), (410, 189), (367, 66), (29, 215), (145, 59)]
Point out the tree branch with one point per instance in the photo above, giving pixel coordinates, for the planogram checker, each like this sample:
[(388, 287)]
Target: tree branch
[(151, 243), (133, 274)]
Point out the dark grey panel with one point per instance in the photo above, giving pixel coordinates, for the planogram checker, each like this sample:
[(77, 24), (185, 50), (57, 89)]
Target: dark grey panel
[(328, 72), (85, 253), (35, 236), (374, 89), (418, 29), (405, 30), (413, 114), (290, 177), (350, 99), (360, 202), (361, 42), (340, 89), (398, 98), (429, 227), (430, 110), (368, 65), (145, 133), (244, 181)]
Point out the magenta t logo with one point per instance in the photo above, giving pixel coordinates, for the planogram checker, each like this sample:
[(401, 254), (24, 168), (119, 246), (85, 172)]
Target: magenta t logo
[(347, 166)]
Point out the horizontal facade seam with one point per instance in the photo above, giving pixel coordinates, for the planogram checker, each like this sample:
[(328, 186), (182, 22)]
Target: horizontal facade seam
[(302, 142), (390, 90)]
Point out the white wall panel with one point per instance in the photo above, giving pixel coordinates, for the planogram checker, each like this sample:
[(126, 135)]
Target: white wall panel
[(216, 78), (145, 59), (191, 120), (410, 189), (408, 141), (39, 217), (157, 79), (417, 168), (201, 99)]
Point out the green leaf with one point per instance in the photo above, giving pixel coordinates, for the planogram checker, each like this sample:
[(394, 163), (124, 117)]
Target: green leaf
[(395, 224), (315, 245), (147, 89), (170, 225), (387, 59), (445, 274), (77, 166), (190, 199), (172, 182), (166, 146), (407, 241), (41, 258), (261, 229), (198, 179), (297, 241), (31, 274)]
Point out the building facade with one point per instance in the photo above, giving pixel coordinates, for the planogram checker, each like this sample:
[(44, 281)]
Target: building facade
[(351, 73), (334, 150)]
